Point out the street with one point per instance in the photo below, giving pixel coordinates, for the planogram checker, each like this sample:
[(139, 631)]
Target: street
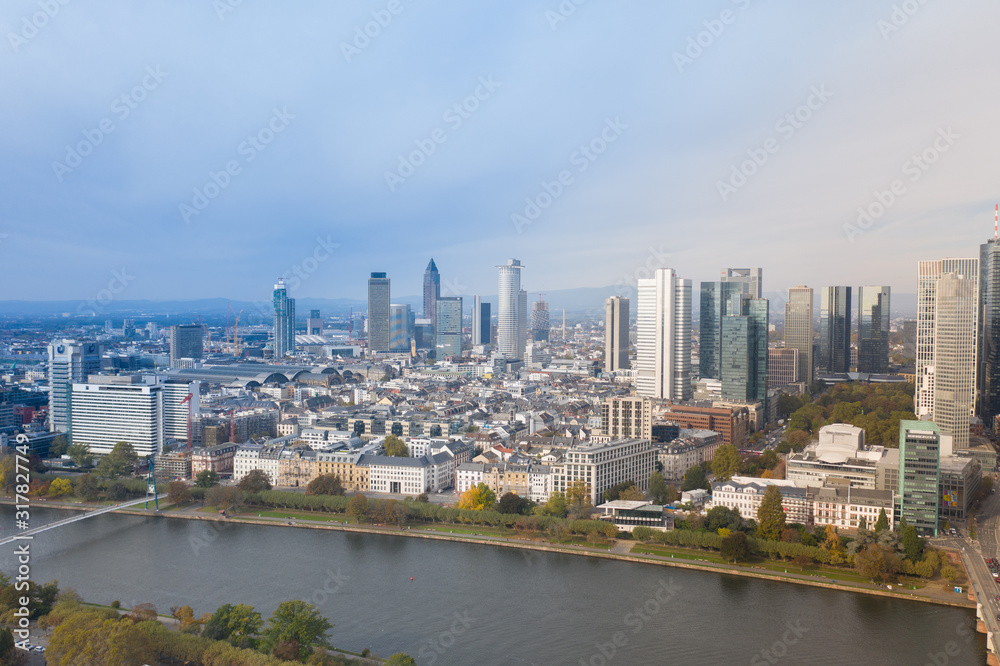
[(974, 554)]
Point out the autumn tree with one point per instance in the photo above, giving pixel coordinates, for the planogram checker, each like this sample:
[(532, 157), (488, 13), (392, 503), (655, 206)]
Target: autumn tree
[(877, 562), (325, 484), (120, 462), (727, 462), (178, 492), (395, 447), (256, 481), (206, 478), (554, 506), (578, 501), (770, 515), (239, 624), (735, 547), (883, 521), (80, 454), (91, 638), (357, 507), (60, 487), (479, 497), (225, 498), (658, 488), (300, 622)]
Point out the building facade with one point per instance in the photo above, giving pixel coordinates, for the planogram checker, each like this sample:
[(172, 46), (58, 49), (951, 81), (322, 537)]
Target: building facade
[(186, 341), (601, 466), (508, 310), (616, 332), (118, 408), (432, 292), (782, 366), (284, 321), (70, 362), (663, 336), (399, 327), (919, 472), (799, 329), (448, 334), (750, 278), (378, 313), (835, 330), (481, 328), (744, 494), (873, 329)]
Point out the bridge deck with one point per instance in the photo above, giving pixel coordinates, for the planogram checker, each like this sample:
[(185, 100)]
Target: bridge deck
[(73, 519)]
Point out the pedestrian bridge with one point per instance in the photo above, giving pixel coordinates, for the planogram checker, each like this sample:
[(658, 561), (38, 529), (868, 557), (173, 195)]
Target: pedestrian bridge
[(72, 519)]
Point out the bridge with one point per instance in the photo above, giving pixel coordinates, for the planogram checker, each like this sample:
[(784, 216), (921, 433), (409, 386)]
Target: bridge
[(82, 516)]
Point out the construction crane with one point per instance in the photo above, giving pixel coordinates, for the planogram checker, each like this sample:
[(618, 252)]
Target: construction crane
[(540, 294), (187, 399)]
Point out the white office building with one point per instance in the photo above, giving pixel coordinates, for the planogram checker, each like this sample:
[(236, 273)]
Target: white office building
[(70, 362), (509, 328), (119, 408), (663, 336), (601, 466)]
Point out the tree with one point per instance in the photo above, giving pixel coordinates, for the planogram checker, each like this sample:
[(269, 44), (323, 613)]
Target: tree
[(239, 624), (300, 622), (400, 659), (658, 488), (614, 492), (60, 487), (423, 498), (225, 498), (513, 503), (80, 454), (727, 462), (325, 484), (256, 481), (694, 478), (633, 494), (86, 487), (357, 507), (877, 562), (578, 501), (58, 447), (735, 547), (178, 492), (721, 517), (120, 462), (395, 447), (770, 515), (883, 521), (554, 506), (479, 497), (206, 478), (143, 613), (770, 459), (912, 543), (89, 638)]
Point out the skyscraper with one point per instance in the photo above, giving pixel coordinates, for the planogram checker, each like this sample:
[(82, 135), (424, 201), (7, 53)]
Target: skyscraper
[(378, 313), (432, 291), (399, 328), (988, 362), (750, 279), (314, 325), (616, 334), (873, 329), (919, 474), (186, 342), (508, 308), (448, 335), (522, 322), (663, 336), (481, 322), (718, 300), (70, 362), (539, 321), (284, 321), (835, 330), (799, 329), (947, 315), (743, 352)]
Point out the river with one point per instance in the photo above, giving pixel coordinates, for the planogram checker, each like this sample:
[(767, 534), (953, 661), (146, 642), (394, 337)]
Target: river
[(484, 605)]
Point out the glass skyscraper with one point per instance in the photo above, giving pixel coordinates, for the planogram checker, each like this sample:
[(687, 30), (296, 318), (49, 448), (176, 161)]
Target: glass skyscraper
[(70, 362), (988, 362), (378, 313), (743, 352), (448, 335), (284, 321), (835, 329), (509, 323), (919, 474), (399, 328), (873, 329), (718, 300), (799, 329), (663, 336), (432, 291), (481, 329)]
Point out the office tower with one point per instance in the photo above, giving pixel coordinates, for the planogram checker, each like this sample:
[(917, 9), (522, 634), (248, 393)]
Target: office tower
[(522, 322), (873, 329), (284, 321), (947, 314), (663, 336), (314, 325), (118, 408), (448, 334), (799, 329), (378, 313), (152, 330), (919, 472), (539, 321), (69, 362), (718, 300), (399, 327), (616, 334), (782, 366), (175, 409), (988, 363), (186, 342), (835, 330), (432, 291), (508, 308), (481, 322), (749, 278), (743, 355), (128, 329)]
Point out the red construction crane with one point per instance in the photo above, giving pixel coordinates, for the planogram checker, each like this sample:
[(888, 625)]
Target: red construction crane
[(188, 401)]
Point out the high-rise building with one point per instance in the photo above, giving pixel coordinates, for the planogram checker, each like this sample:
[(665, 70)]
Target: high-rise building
[(284, 321), (799, 329), (481, 322), (508, 308), (186, 342), (378, 313), (539, 321), (399, 328), (919, 474), (718, 300), (750, 278), (616, 331), (782, 366), (314, 325), (69, 362), (988, 362), (743, 359), (448, 334), (835, 330), (663, 336), (947, 316), (118, 408), (627, 417), (432, 291), (873, 329), (522, 322)]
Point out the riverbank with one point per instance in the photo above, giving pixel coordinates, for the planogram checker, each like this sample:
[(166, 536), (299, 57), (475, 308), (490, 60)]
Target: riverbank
[(619, 550)]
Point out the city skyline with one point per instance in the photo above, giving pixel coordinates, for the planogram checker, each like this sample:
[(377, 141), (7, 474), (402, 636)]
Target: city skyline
[(178, 111)]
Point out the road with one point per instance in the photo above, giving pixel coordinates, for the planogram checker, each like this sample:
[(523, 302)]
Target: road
[(974, 553)]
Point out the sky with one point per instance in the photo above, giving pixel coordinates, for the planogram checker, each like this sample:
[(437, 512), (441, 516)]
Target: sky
[(178, 149)]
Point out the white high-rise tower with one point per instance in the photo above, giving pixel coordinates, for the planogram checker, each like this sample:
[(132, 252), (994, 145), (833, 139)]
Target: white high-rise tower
[(663, 336), (509, 327)]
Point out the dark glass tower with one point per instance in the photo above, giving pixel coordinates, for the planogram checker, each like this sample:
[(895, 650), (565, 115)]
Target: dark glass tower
[(873, 330), (743, 352), (835, 329), (432, 291), (718, 300), (988, 353)]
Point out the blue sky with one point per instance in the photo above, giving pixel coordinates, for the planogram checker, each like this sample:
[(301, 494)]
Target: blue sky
[(641, 109)]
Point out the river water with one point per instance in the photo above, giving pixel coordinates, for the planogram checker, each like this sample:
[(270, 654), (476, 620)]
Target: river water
[(483, 605)]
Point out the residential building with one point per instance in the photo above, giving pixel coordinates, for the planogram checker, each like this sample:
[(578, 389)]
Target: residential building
[(344, 463), (186, 341), (745, 493), (409, 476), (663, 336), (799, 329), (782, 366), (432, 292), (378, 313), (448, 332), (118, 408), (616, 334), (173, 465), (919, 471), (481, 322), (692, 447), (627, 418), (601, 466), (70, 362), (835, 330), (509, 311), (297, 468), (873, 329), (284, 321), (218, 459)]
